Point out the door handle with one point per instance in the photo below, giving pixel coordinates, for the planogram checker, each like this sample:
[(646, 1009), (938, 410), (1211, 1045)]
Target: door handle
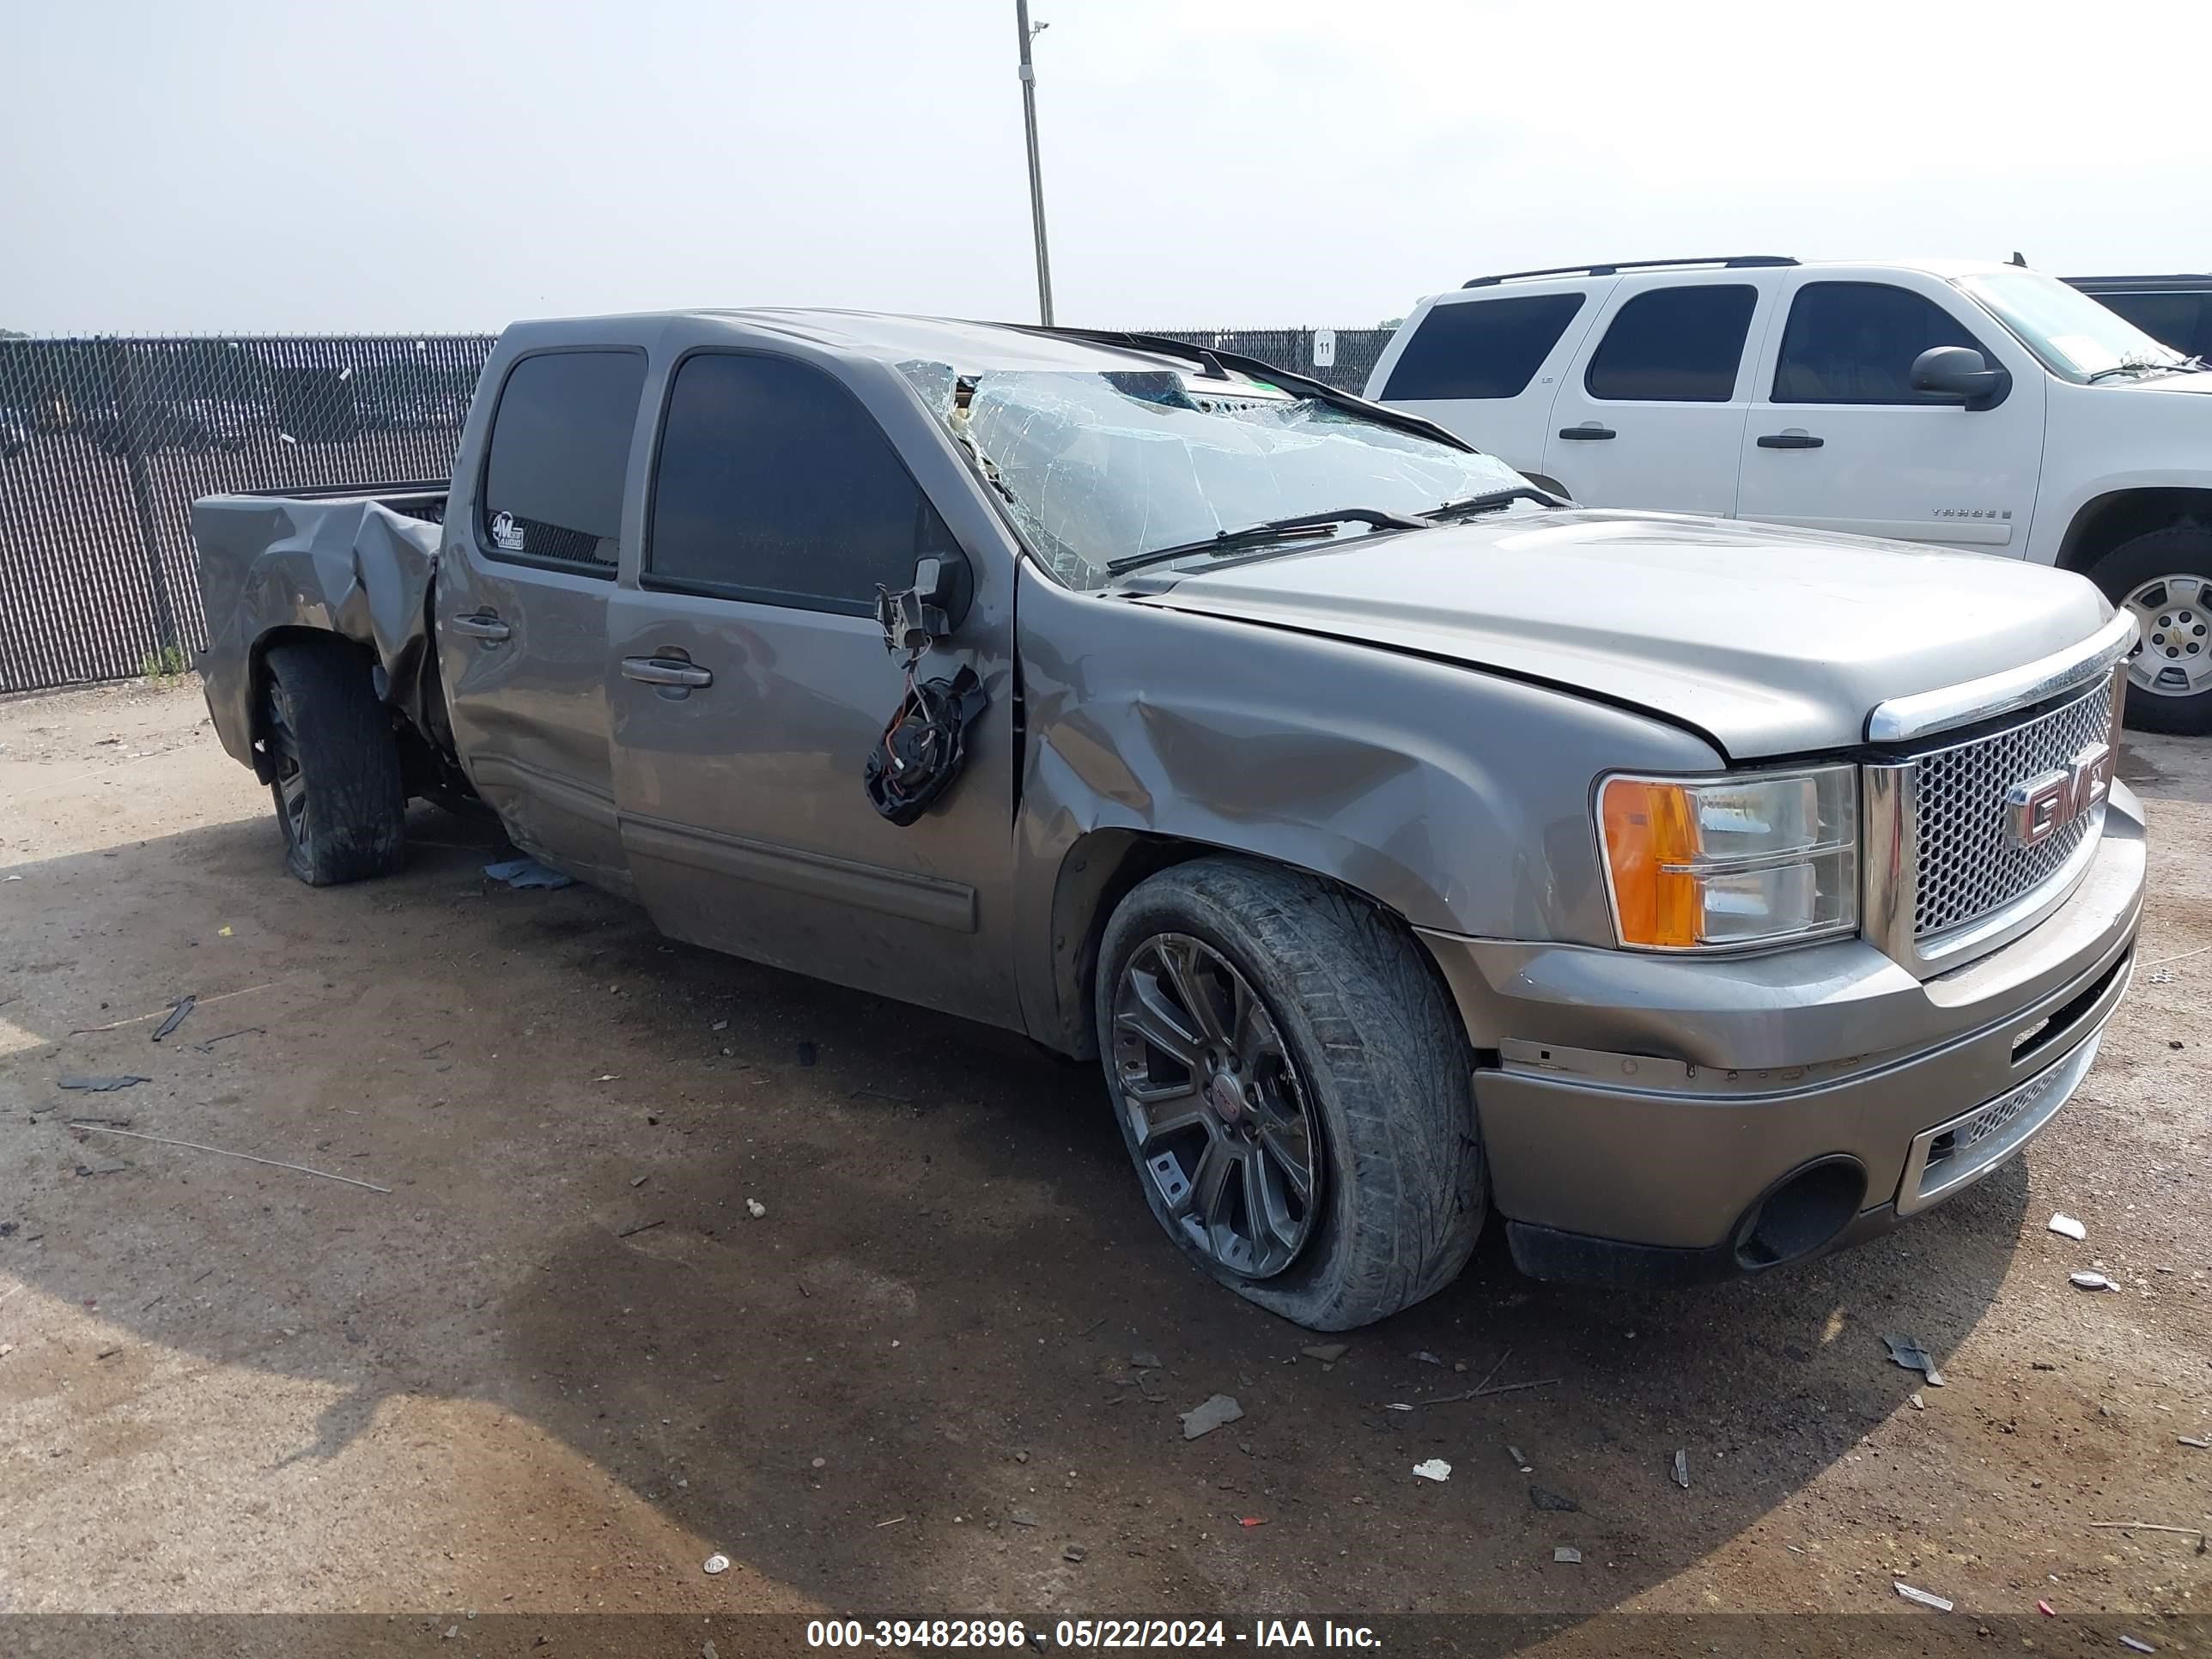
[(1790, 441), (663, 670), (1587, 433), (481, 625)]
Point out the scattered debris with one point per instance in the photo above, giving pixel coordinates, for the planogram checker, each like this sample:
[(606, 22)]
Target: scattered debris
[(1144, 1362), (105, 1353), (1682, 1470), (208, 1047), (1423, 1357), (1397, 1405), (1559, 1503), (2041, 1365), (2197, 1533), (754, 1208), (1327, 1353), (2088, 1281), (2066, 1226), (223, 931), (639, 1181), (2191, 1440), (1920, 1595), (1208, 1415), (195, 1146), (2136, 1644), (527, 874), (1252, 1521), (180, 1010), (1073, 1552), (101, 1168), (642, 1227), (1434, 1469), (1515, 1453), (1567, 1555), (1907, 1352), (893, 1521), (1918, 1404), (717, 1563), (2046, 1609), (100, 1085), (1023, 1518)]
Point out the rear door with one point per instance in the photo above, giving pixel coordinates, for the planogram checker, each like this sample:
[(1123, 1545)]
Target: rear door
[(1838, 439), (526, 567), (1654, 417), (1485, 364), (777, 505)]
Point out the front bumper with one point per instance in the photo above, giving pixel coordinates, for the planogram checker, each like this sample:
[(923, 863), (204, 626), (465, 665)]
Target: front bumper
[(1640, 1109)]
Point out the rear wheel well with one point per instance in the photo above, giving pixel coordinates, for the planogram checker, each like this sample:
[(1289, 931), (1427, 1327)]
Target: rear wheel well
[(2111, 520), (256, 673)]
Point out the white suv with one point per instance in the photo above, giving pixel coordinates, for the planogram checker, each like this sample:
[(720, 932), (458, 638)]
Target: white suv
[(1983, 406)]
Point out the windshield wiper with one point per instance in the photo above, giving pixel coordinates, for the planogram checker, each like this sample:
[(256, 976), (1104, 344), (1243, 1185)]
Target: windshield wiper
[(2189, 365), (1305, 524), (1490, 501)]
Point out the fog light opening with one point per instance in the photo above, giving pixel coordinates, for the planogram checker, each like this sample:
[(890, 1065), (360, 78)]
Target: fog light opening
[(1800, 1213)]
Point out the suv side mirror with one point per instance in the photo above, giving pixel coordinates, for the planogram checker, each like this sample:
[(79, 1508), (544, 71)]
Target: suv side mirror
[(943, 586), (1961, 372)]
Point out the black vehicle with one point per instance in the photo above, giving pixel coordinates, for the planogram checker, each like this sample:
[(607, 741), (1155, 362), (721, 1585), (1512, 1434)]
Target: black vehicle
[(2175, 311)]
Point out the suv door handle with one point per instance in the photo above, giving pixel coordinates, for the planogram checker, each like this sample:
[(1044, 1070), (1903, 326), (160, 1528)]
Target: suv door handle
[(1587, 433), (1790, 441), (663, 670), (481, 625)]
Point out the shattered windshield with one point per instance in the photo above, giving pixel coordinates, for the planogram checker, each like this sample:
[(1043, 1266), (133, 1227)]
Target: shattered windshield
[(1098, 467)]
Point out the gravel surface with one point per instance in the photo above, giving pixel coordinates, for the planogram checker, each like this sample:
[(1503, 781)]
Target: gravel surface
[(891, 1330)]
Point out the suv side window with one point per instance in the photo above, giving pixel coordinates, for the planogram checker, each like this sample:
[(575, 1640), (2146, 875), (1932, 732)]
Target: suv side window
[(560, 443), (774, 485), (1854, 343), (1481, 348), (2183, 321), (1674, 345)]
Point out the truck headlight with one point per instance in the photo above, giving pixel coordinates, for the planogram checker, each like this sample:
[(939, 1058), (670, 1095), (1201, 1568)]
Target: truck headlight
[(1712, 863)]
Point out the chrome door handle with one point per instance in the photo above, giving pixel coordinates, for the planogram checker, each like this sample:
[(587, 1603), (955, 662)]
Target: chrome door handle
[(663, 670), (483, 627)]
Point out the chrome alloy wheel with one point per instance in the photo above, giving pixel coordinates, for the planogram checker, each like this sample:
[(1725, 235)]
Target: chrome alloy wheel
[(2176, 659), (1224, 1131)]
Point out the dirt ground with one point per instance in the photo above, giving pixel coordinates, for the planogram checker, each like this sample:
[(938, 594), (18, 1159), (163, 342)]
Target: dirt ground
[(561, 1361)]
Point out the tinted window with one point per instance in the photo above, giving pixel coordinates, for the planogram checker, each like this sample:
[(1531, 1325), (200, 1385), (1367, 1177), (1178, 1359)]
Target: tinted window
[(1854, 343), (560, 442), (774, 483), (1674, 345), (1481, 348), (2183, 321)]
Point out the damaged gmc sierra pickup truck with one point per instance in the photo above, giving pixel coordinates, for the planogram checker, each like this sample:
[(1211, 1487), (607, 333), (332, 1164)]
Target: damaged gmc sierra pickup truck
[(1407, 842)]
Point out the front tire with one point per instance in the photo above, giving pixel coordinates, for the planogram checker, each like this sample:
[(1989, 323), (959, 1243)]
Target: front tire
[(2166, 577), (340, 798), (1292, 1084)]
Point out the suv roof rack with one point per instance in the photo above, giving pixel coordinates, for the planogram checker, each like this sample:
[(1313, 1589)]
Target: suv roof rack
[(1726, 261)]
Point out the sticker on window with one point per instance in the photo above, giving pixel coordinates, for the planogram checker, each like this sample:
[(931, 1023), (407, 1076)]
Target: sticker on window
[(505, 534)]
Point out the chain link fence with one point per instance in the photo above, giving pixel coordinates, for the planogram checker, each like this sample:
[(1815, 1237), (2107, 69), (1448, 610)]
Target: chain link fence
[(104, 444)]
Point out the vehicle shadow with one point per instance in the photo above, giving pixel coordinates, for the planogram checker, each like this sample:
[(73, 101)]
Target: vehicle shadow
[(944, 1360)]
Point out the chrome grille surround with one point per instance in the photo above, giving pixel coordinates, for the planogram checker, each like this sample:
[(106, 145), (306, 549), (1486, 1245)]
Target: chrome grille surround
[(1945, 881)]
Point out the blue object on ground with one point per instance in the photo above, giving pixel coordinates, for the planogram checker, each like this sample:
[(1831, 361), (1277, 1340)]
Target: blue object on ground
[(528, 872)]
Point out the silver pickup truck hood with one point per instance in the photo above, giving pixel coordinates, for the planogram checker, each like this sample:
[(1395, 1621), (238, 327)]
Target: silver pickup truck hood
[(1772, 641)]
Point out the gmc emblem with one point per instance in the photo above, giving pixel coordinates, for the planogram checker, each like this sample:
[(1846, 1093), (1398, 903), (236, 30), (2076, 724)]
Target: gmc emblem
[(2035, 809)]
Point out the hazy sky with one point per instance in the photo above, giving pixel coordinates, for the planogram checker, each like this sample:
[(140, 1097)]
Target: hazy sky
[(251, 165)]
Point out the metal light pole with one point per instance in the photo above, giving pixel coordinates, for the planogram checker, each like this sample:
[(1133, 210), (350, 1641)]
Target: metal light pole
[(1036, 178)]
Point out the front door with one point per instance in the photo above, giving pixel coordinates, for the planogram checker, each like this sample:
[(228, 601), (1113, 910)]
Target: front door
[(1838, 439), (750, 681), (526, 568), (1655, 420)]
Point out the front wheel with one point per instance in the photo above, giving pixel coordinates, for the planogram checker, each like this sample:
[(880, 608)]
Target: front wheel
[(1292, 1084), (2166, 578)]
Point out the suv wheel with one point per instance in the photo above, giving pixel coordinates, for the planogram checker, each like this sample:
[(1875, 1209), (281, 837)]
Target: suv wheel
[(2166, 578), (1293, 1084), (340, 801)]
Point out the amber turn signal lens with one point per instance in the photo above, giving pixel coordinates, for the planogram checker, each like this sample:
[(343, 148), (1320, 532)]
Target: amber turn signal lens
[(1649, 827)]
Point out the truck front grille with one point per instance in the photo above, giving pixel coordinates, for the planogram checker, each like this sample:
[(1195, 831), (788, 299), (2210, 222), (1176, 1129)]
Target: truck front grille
[(1968, 865)]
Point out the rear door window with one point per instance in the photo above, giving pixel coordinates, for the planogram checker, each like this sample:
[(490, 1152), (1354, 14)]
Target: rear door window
[(560, 443), (774, 485), (1674, 345), (1475, 349), (1854, 343)]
